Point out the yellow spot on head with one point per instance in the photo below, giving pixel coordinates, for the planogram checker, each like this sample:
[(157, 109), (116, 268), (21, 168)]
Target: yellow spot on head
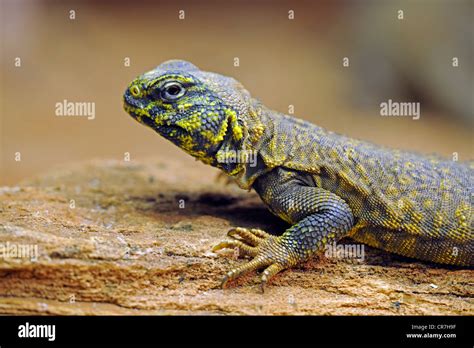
[(428, 204), (190, 123)]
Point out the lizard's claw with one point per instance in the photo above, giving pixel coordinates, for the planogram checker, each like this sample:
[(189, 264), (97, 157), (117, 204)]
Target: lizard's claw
[(267, 250)]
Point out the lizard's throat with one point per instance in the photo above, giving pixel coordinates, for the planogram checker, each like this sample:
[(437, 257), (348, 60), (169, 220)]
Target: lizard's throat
[(227, 154)]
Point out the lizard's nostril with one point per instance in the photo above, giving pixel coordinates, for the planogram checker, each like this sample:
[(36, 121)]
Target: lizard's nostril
[(135, 91)]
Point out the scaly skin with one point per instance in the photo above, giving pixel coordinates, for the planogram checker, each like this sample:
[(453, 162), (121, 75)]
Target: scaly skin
[(325, 185)]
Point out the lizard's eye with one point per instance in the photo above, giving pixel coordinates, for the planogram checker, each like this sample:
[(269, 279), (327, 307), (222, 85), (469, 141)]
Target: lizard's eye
[(172, 91)]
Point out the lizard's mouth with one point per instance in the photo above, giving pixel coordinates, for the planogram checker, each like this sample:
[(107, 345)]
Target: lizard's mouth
[(167, 130), (139, 115), (148, 121)]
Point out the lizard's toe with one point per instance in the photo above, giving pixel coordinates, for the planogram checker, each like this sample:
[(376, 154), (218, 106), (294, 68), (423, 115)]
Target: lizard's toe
[(270, 253), (269, 273), (260, 233), (244, 235), (253, 265), (243, 249), (245, 240)]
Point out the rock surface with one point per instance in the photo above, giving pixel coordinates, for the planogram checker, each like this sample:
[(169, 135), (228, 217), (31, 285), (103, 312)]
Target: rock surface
[(114, 238)]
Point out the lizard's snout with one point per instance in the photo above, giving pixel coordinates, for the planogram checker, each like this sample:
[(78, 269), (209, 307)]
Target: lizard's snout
[(130, 100)]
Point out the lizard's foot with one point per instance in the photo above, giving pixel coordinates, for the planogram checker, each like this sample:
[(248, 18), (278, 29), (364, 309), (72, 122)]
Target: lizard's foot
[(267, 251)]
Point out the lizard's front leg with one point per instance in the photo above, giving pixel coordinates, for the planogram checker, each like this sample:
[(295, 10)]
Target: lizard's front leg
[(318, 217)]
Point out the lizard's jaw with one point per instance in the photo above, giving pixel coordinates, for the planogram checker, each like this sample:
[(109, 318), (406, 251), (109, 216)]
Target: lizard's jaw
[(140, 115)]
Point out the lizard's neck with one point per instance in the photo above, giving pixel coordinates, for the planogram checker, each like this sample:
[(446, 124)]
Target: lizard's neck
[(258, 124)]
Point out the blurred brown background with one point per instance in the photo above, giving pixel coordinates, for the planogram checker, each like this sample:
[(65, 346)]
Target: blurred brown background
[(282, 62)]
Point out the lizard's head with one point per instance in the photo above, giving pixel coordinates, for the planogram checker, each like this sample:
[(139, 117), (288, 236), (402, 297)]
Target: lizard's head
[(196, 110)]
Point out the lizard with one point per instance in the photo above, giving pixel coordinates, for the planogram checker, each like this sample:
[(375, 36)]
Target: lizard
[(325, 185)]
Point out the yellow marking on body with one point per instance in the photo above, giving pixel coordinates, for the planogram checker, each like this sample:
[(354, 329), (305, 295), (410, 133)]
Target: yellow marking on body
[(391, 223), (216, 138), (428, 204), (237, 131), (446, 196), (235, 170), (358, 186), (408, 244), (404, 179), (221, 133), (212, 116), (160, 104), (187, 143), (375, 214), (463, 214), (173, 77), (318, 181), (141, 112), (350, 153), (438, 221), (333, 154), (191, 123), (414, 226), (393, 191), (257, 132), (363, 173)]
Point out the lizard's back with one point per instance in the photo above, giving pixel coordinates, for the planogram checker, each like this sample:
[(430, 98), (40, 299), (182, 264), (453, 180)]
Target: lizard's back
[(405, 203)]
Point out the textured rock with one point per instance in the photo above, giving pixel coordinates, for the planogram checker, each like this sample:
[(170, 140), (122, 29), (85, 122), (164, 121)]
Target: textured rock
[(115, 238)]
